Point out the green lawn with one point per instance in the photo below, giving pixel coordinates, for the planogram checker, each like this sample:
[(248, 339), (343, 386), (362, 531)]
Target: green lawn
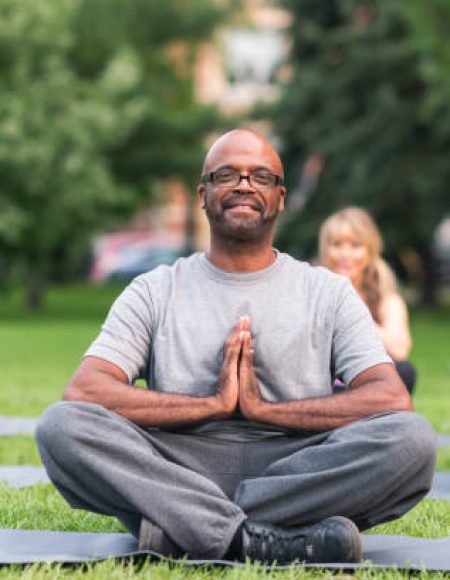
[(431, 355), (44, 348), (41, 351)]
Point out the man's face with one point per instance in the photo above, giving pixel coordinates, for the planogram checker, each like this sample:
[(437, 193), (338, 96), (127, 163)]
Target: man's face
[(246, 210)]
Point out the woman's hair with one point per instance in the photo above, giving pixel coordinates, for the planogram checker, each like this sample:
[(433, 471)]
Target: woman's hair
[(378, 280)]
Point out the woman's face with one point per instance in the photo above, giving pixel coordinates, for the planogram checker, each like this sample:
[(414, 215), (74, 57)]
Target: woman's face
[(347, 256)]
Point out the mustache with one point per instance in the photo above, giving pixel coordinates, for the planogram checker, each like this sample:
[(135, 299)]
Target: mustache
[(234, 199)]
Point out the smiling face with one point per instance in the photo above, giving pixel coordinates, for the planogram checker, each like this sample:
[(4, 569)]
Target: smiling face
[(349, 242), (244, 211), (348, 256)]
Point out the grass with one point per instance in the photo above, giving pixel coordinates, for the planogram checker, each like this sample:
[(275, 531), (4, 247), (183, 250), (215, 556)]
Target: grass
[(45, 347), (431, 334), (42, 351), (40, 507), (19, 450), (112, 570)]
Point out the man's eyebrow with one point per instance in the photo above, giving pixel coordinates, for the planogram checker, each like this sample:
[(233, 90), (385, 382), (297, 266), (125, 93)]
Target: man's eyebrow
[(252, 169), (225, 167)]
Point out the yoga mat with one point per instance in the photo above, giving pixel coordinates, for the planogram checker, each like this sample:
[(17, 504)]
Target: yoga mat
[(443, 440), (29, 546), (17, 425), (22, 475), (441, 486)]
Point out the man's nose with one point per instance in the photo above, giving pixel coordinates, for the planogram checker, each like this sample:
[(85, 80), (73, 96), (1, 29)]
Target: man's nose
[(244, 183)]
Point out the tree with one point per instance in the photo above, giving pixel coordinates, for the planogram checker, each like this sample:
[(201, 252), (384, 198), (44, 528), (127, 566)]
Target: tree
[(96, 106), (356, 101), (428, 25)]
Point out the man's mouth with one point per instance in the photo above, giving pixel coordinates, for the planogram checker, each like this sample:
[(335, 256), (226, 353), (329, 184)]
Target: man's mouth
[(243, 205)]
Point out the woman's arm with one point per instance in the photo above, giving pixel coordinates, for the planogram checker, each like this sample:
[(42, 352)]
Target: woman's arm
[(394, 328)]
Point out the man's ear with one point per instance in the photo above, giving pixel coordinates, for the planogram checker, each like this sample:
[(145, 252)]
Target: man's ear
[(201, 192), (282, 198)]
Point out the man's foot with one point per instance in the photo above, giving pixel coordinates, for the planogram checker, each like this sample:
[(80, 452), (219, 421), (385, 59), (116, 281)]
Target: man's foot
[(335, 539), (153, 538)]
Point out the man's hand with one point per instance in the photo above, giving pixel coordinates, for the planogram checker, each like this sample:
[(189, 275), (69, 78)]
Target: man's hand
[(250, 401), (228, 388)]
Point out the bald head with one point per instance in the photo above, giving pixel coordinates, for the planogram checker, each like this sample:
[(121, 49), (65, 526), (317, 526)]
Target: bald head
[(242, 147)]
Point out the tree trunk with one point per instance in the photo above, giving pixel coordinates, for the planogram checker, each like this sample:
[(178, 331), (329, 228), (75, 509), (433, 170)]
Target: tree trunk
[(429, 283), (34, 294)]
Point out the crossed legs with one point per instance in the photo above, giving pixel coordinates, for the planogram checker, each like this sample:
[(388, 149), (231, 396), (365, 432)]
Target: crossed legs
[(199, 488)]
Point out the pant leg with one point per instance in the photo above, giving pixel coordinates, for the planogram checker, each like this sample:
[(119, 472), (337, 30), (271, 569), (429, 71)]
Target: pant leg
[(371, 471), (101, 462)]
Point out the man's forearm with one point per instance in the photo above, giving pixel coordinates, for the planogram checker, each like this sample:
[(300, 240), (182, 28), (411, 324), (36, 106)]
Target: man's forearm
[(142, 406), (324, 413), (367, 397)]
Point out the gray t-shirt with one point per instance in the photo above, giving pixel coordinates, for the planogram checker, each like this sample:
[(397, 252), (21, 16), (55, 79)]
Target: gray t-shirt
[(169, 326)]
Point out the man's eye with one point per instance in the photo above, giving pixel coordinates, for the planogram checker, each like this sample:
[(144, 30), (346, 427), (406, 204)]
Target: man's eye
[(224, 176), (262, 178)]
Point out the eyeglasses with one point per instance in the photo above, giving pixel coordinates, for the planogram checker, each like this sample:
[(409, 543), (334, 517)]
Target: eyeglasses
[(228, 177)]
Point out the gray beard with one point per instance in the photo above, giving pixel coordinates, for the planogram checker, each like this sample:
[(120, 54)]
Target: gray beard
[(249, 230)]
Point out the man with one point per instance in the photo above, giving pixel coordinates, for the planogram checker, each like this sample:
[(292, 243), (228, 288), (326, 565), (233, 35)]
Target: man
[(239, 448)]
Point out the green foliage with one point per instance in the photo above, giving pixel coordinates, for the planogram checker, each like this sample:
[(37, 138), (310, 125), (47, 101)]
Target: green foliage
[(96, 106), (429, 24), (357, 98)]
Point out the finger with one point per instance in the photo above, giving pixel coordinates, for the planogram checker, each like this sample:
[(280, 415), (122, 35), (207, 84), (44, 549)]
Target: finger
[(233, 346), (245, 322), (247, 350)]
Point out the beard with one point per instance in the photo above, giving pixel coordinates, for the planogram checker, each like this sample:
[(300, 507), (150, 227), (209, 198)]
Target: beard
[(240, 226)]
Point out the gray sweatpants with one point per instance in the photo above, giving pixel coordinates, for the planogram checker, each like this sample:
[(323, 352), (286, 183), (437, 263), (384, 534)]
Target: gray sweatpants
[(200, 486)]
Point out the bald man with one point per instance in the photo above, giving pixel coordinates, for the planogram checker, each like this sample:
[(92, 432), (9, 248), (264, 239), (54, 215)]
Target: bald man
[(239, 448)]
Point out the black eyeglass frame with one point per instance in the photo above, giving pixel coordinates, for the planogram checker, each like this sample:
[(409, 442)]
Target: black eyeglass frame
[(209, 178)]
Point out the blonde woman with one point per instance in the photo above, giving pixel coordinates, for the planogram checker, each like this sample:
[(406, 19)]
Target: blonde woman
[(350, 244)]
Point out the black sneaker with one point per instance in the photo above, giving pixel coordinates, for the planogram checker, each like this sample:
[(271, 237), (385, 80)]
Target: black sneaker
[(335, 539), (153, 538)]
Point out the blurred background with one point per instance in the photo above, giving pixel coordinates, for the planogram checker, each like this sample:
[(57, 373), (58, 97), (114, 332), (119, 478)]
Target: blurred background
[(107, 107)]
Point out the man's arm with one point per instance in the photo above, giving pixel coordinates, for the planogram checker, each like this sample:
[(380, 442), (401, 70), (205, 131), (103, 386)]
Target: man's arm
[(378, 389), (99, 381)]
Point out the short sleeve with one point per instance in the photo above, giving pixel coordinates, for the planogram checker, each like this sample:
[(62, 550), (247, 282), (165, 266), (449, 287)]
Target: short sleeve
[(126, 335), (356, 345)]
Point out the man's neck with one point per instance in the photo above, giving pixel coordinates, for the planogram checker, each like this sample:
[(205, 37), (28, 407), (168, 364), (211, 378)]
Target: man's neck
[(241, 257)]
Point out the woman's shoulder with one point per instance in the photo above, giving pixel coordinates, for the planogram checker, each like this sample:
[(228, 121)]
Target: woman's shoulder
[(392, 303)]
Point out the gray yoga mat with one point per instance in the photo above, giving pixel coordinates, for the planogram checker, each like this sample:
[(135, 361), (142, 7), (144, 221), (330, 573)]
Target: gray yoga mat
[(17, 425), (22, 475), (441, 486), (443, 440), (29, 546)]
